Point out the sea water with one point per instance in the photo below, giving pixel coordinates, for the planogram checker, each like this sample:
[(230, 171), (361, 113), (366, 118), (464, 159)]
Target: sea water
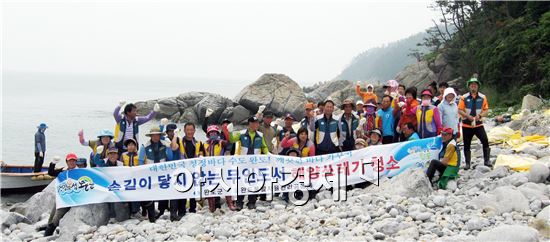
[(68, 103)]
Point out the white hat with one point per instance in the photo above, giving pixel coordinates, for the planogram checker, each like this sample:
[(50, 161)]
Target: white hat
[(449, 90), (359, 103)]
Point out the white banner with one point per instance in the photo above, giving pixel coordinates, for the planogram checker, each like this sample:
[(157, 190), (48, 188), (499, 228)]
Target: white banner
[(240, 175)]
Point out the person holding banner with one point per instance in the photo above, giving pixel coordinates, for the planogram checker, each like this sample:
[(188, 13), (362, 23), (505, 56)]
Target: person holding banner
[(409, 133), (215, 146), (252, 143), (57, 214), (286, 129), (153, 151), (375, 137), (327, 131), (110, 160), (449, 160), (301, 142), (189, 147)]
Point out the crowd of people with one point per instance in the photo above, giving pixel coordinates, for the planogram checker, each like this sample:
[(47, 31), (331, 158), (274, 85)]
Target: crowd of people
[(397, 116)]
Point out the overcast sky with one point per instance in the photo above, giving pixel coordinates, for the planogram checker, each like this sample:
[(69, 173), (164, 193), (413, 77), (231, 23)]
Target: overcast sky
[(310, 41)]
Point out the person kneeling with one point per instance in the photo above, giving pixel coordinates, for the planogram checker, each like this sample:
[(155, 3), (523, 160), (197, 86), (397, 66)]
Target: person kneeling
[(449, 160)]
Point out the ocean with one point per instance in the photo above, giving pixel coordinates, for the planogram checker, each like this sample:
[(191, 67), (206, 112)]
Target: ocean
[(68, 103)]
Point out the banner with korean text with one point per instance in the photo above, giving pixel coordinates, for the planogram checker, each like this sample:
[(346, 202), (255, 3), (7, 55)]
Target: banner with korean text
[(240, 175)]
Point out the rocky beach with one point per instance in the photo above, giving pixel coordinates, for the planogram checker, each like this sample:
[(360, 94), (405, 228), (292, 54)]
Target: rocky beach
[(484, 204)]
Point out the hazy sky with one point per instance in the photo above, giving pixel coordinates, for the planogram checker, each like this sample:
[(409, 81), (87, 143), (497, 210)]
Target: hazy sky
[(310, 41)]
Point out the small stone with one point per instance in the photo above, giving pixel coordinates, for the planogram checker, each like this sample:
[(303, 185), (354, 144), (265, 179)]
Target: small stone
[(393, 212), (439, 201), (379, 236), (538, 173), (423, 216)]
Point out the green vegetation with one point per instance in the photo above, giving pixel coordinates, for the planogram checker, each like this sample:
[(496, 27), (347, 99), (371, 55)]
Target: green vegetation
[(506, 43)]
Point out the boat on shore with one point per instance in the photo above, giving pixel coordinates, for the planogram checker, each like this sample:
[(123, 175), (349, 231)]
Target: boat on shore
[(23, 179)]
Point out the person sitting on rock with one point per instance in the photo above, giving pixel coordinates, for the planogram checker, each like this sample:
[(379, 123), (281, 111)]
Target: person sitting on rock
[(104, 138), (57, 214), (449, 160), (252, 142)]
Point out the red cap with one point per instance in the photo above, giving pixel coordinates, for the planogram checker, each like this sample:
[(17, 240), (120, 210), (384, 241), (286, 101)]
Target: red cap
[(447, 130), (71, 156)]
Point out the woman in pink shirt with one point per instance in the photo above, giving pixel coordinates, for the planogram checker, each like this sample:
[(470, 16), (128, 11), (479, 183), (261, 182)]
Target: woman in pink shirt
[(300, 142)]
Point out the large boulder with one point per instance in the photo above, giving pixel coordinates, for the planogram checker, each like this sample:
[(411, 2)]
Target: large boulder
[(503, 199), (531, 102), (323, 90), (38, 204), (538, 173), (517, 233), (82, 216), (418, 74), (215, 102), (411, 183), (237, 115), (188, 107), (9, 218), (276, 91)]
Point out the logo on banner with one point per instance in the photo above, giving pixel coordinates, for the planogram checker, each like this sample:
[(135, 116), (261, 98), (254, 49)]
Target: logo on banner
[(69, 186)]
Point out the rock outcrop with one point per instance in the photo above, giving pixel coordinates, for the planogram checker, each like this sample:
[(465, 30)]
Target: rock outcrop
[(277, 92)]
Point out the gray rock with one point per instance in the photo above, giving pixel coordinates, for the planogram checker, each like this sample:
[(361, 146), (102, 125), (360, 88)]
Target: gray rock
[(439, 201), (538, 173), (321, 91), (9, 218), (452, 185), (91, 215), (516, 233), (379, 236), (278, 92), (238, 114), (531, 102), (423, 216), (189, 115), (498, 172), (483, 169), (477, 223), (38, 204), (504, 199), (215, 102), (417, 74), (411, 183), (544, 214)]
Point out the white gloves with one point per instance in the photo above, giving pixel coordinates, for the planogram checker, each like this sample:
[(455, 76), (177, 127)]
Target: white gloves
[(209, 112), (280, 122), (99, 149), (398, 129), (164, 121), (156, 108), (230, 127), (41, 154), (394, 95), (56, 159), (261, 109), (401, 104), (121, 103)]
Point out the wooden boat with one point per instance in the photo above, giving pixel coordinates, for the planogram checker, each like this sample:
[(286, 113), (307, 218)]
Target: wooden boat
[(22, 179)]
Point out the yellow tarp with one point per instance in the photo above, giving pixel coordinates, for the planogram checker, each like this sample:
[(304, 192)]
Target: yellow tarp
[(515, 162), (514, 139), (501, 134), (520, 143)]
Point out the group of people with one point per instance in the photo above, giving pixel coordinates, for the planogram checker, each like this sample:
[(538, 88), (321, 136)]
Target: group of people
[(397, 116)]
